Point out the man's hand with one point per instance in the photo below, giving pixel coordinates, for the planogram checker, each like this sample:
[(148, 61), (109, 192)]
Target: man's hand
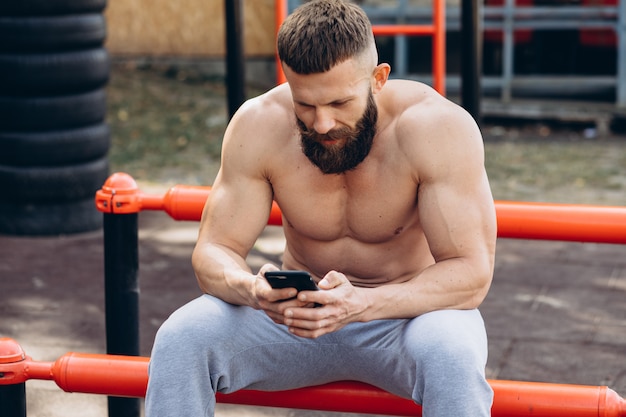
[(341, 303), (274, 302)]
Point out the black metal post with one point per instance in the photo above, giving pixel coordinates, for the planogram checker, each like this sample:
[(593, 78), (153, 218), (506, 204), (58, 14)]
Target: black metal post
[(471, 57), (235, 67), (121, 265), (13, 400)]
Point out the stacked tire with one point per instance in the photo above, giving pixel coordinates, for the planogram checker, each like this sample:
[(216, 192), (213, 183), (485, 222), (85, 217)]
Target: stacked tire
[(53, 136)]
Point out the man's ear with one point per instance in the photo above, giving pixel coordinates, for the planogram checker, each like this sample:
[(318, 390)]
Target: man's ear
[(380, 77)]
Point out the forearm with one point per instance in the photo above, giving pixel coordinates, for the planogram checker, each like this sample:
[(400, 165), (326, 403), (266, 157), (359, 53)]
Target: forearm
[(224, 274), (450, 284)]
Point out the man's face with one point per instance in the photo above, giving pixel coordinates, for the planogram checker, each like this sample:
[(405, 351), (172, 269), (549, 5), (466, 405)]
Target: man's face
[(344, 148)]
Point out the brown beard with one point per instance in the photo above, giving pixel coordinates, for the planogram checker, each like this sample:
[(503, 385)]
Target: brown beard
[(338, 159)]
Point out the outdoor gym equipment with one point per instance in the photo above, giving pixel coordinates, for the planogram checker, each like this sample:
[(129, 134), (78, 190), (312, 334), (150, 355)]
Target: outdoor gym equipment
[(518, 220), (128, 376)]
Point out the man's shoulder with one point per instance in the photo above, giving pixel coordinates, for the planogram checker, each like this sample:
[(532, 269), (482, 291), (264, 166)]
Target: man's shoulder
[(261, 128), (273, 103), (416, 99), (427, 125), (417, 109), (267, 118)]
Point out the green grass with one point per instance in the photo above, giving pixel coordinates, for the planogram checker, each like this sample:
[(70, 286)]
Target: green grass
[(166, 126), (579, 171)]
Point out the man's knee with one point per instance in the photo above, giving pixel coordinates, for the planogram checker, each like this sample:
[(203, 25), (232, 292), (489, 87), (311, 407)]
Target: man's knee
[(450, 352), (202, 319), (454, 338)]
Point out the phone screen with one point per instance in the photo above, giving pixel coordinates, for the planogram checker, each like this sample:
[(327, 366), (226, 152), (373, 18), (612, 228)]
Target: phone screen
[(300, 280)]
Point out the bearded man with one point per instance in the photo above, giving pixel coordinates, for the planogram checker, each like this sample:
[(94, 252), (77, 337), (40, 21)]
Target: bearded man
[(385, 202)]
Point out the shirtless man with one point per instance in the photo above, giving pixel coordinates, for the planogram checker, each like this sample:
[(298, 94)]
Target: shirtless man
[(385, 201)]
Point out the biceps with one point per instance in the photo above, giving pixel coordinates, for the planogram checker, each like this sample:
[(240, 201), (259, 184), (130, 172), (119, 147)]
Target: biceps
[(458, 218), (236, 214)]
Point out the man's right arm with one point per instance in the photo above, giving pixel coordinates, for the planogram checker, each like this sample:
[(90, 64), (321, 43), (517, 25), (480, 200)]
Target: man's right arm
[(235, 213)]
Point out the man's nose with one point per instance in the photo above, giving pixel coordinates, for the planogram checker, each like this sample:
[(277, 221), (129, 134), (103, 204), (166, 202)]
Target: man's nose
[(324, 121)]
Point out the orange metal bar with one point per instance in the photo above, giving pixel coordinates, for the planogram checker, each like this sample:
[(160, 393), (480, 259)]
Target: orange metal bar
[(579, 223), (119, 194), (127, 376), (516, 399), (280, 13), (116, 375), (414, 30), (543, 221), (439, 46)]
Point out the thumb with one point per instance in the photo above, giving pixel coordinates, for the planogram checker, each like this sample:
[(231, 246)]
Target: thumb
[(332, 279), (267, 267)]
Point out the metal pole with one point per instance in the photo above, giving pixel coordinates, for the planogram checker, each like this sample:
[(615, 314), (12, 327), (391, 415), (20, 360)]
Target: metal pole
[(235, 73), (13, 400), (401, 64), (12, 380), (471, 57), (507, 52), (281, 10), (121, 264), (439, 46), (621, 55)]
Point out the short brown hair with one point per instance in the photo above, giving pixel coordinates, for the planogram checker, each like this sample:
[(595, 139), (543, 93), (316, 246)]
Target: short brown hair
[(323, 33)]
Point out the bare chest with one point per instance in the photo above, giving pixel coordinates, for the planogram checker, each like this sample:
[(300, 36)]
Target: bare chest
[(372, 205)]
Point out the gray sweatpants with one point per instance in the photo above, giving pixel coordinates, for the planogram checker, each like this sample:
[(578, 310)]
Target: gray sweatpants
[(208, 346)]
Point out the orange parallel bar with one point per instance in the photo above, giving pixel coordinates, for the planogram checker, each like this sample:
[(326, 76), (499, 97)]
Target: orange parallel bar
[(280, 13), (415, 30), (127, 376), (439, 46), (568, 222), (542, 221)]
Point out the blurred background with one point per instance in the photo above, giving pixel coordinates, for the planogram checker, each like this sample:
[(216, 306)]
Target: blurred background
[(552, 134)]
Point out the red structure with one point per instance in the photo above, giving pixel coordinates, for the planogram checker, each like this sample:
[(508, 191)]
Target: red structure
[(128, 376), (567, 222)]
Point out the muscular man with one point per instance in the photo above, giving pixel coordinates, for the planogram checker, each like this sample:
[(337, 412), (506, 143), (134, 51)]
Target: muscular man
[(385, 201)]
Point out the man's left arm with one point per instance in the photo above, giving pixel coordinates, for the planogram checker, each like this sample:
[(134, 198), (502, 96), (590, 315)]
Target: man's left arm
[(457, 214)]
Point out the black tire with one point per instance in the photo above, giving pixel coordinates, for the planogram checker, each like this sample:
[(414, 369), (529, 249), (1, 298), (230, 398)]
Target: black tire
[(27, 219), (21, 114), (50, 7), (62, 147), (52, 184), (53, 74), (52, 34)]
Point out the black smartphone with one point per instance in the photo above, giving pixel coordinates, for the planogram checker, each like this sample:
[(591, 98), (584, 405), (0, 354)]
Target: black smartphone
[(300, 280)]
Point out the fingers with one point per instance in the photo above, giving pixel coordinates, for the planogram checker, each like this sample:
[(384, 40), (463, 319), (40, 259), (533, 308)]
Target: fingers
[(332, 279), (312, 322), (334, 313), (282, 306), (305, 328), (265, 293), (267, 267)]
